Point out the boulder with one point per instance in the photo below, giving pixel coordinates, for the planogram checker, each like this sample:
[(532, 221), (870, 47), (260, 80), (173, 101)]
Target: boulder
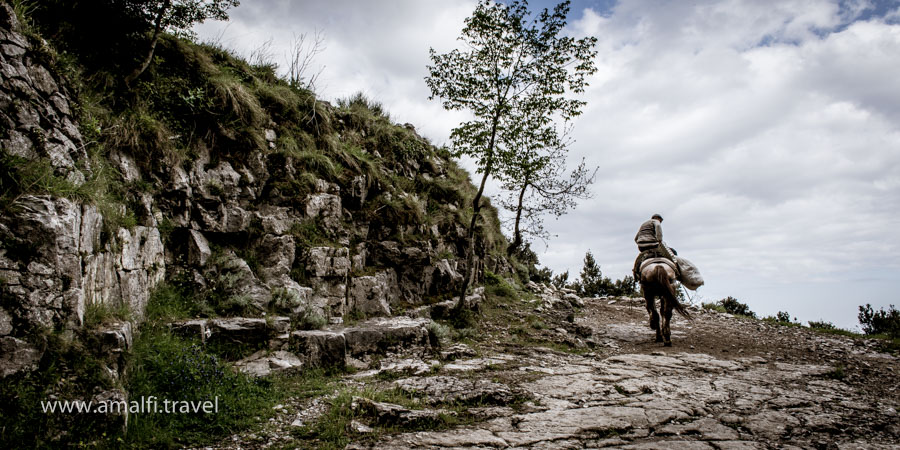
[(198, 249), (329, 296), (220, 217), (276, 256), (246, 330), (274, 219), (326, 207), (264, 363), (6, 326), (390, 414), (195, 328), (382, 334), (444, 277), (319, 348), (16, 356)]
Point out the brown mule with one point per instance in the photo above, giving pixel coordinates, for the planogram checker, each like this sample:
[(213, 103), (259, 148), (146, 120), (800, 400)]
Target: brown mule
[(656, 281)]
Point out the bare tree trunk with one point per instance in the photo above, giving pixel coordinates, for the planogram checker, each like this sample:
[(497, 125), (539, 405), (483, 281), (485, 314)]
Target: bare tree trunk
[(157, 29), (517, 233), (476, 209), (470, 236)]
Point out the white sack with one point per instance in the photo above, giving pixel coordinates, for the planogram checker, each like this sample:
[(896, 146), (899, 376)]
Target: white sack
[(690, 276)]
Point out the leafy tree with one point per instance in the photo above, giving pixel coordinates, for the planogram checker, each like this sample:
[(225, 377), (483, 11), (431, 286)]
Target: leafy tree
[(512, 68), (536, 179), (177, 16), (591, 283), (560, 280), (783, 317)]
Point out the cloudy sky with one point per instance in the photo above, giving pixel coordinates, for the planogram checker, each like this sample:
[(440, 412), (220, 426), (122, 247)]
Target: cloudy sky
[(767, 133)]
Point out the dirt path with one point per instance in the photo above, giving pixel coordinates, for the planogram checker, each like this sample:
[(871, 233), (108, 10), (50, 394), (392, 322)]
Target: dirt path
[(727, 383)]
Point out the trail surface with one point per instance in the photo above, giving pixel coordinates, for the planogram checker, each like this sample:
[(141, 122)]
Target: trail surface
[(727, 383)]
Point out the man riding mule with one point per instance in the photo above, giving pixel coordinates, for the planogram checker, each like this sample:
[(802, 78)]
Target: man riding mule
[(657, 270), (649, 240)]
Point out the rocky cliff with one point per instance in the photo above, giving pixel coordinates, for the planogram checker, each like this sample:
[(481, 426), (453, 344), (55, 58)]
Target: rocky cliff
[(219, 178)]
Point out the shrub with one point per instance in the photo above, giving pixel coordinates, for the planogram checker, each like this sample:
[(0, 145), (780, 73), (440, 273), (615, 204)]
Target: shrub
[(733, 306), (309, 319), (438, 333), (495, 285), (822, 325), (881, 321)]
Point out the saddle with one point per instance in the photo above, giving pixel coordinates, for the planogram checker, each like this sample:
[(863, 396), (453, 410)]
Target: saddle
[(665, 261)]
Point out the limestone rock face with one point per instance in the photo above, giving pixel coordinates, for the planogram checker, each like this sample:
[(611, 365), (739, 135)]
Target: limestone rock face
[(325, 206), (61, 268), (35, 110), (263, 363), (329, 262), (372, 295)]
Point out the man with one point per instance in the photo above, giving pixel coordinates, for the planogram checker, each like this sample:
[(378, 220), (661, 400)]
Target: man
[(649, 240)]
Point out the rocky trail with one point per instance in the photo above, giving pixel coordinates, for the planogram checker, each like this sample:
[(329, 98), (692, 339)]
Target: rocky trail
[(592, 377)]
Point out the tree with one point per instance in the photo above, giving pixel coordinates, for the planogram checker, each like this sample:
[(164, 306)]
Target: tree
[(176, 16), (560, 280), (537, 184), (881, 321), (511, 67), (591, 282)]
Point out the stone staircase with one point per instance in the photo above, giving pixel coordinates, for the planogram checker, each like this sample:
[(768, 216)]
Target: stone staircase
[(283, 348)]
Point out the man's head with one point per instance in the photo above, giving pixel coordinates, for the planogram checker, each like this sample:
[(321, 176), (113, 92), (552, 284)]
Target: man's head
[(657, 217)]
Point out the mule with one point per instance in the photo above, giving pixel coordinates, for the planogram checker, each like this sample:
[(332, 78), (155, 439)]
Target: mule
[(656, 281)]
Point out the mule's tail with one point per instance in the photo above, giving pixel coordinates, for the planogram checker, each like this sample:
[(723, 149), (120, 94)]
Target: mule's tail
[(669, 292)]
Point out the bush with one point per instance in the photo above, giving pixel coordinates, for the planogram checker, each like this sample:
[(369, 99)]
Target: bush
[(731, 305), (495, 285), (881, 321), (822, 325)]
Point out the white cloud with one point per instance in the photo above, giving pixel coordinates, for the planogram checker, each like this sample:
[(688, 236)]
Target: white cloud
[(766, 132)]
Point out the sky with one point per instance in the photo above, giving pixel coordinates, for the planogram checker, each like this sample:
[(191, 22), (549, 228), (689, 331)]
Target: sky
[(766, 133)]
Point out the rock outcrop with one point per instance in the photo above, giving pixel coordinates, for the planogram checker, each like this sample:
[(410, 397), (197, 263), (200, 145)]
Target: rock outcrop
[(361, 222)]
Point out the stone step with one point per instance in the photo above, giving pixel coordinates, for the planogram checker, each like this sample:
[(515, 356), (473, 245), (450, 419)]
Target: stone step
[(291, 349)]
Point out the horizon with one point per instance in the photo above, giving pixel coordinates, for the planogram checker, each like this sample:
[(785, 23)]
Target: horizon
[(768, 132)]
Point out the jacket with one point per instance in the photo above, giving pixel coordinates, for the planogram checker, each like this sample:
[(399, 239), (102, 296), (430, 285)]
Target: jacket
[(649, 236)]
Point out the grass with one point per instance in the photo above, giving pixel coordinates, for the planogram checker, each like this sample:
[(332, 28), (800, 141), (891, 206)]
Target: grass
[(332, 430), (836, 374), (172, 367), (67, 370), (98, 313)]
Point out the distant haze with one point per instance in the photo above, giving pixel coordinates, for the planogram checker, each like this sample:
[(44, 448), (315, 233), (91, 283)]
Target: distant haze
[(767, 133)]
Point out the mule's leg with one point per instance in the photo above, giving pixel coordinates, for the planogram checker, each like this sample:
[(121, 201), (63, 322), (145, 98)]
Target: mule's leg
[(651, 309), (667, 316)]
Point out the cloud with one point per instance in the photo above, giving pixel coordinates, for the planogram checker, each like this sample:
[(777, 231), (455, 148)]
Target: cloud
[(766, 132)]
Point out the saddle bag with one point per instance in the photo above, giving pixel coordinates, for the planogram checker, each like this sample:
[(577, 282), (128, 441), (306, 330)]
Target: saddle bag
[(689, 275)]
